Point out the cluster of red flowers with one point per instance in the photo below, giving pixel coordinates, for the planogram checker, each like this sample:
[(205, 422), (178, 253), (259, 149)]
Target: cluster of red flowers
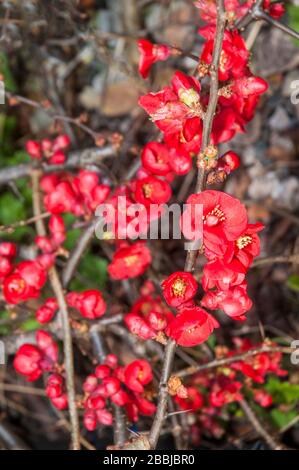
[(121, 386), (149, 316), (7, 253), (79, 195), (57, 235), (236, 9), (52, 152), (230, 245), (33, 361), (26, 279), (209, 391)]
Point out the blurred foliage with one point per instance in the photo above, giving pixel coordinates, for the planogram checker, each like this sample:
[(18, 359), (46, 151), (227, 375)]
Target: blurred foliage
[(293, 13), (93, 273), (293, 282)]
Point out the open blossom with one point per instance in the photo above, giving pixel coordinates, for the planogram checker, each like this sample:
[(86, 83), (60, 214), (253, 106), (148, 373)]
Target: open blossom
[(152, 190), (178, 288), (224, 219), (234, 301), (222, 275), (193, 402), (148, 316), (27, 362), (130, 261), (90, 303), (46, 312), (234, 54), (191, 326), (25, 282), (137, 374), (149, 54)]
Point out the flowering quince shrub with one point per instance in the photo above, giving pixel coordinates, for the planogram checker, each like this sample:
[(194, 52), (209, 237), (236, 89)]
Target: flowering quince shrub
[(184, 305)]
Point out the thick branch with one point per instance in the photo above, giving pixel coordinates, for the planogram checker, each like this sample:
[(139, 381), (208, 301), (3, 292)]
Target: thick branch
[(76, 159)]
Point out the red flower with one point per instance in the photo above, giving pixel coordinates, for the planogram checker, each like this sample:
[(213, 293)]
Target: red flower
[(24, 283), (247, 246), (155, 158), (90, 420), (263, 398), (193, 402), (225, 391), (149, 54), (229, 162), (61, 200), (138, 374), (46, 312), (49, 347), (130, 261), (27, 361), (6, 267), (152, 190), (8, 249), (222, 275), (138, 326), (90, 303), (53, 151), (224, 219), (234, 55), (177, 109), (191, 326), (178, 288), (55, 386), (234, 301)]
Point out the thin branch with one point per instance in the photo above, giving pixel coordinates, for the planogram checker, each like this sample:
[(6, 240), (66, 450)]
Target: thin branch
[(22, 223), (276, 259), (10, 440), (67, 340), (229, 360), (259, 428), (77, 253), (259, 14)]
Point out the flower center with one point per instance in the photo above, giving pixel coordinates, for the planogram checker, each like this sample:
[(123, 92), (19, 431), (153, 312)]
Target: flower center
[(214, 217), (18, 286), (130, 260), (243, 241), (147, 190), (179, 287), (189, 97)]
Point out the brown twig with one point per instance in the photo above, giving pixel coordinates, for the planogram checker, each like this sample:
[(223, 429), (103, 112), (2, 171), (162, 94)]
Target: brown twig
[(67, 340), (276, 259), (22, 223), (229, 360), (257, 425), (119, 423), (77, 253), (200, 184)]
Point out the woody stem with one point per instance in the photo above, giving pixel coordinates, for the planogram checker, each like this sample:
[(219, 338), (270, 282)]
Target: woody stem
[(200, 185)]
